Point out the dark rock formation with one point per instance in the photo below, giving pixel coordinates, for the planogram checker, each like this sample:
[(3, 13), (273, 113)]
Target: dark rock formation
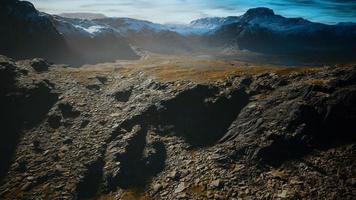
[(39, 65), (28, 33), (22, 106)]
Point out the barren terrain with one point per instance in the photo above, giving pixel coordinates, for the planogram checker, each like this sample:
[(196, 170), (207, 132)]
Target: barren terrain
[(177, 128)]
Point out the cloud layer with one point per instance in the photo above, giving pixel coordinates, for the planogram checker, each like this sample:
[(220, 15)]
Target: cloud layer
[(183, 11)]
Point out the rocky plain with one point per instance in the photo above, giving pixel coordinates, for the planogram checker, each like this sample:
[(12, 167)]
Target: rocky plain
[(176, 129)]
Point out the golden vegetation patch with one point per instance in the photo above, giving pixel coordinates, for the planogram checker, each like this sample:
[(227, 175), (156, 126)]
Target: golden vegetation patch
[(197, 191), (173, 68), (135, 195)]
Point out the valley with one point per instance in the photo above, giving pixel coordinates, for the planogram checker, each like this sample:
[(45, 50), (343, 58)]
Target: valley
[(259, 35)]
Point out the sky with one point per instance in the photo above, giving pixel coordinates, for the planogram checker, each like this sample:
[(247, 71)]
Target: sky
[(184, 11)]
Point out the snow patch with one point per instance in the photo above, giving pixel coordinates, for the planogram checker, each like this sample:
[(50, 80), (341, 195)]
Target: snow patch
[(91, 29)]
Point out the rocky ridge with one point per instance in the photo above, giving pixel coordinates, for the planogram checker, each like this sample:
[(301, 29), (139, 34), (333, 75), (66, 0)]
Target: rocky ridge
[(92, 133)]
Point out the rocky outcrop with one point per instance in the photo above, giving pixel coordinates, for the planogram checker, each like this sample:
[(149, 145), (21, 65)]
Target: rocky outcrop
[(280, 134), (23, 106)]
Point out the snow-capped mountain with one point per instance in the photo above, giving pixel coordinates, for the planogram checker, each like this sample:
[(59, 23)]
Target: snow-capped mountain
[(27, 32), (71, 27), (257, 17), (211, 23), (101, 42), (125, 26), (261, 30), (119, 26)]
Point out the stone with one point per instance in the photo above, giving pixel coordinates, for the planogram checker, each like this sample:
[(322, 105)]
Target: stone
[(157, 187), (39, 65), (122, 96), (54, 121), (64, 148), (180, 188), (68, 110), (94, 87), (26, 186), (59, 168), (102, 79), (84, 123), (67, 140), (20, 166), (182, 195), (173, 175), (283, 194), (215, 184)]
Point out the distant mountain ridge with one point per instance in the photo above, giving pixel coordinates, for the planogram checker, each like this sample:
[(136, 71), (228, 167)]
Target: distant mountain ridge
[(261, 30), (258, 30), (83, 15), (27, 32)]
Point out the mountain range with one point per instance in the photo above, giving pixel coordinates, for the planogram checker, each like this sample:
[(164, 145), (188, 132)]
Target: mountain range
[(26, 32)]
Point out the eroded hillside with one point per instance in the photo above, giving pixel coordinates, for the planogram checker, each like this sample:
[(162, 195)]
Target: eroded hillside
[(176, 129)]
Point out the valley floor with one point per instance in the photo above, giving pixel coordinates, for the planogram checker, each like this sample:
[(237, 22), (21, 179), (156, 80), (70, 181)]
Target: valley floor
[(177, 128)]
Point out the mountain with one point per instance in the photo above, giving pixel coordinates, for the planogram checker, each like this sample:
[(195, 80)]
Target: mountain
[(83, 15), (127, 25), (153, 37), (27, 33), (258, 30), (261, 30), (117, 33), (96, 43), (212, 23)]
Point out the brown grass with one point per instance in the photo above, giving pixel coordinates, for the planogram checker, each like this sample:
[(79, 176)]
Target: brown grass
[(175, 73), (197, 191), (106, 197), (171, 68), (135, 195)]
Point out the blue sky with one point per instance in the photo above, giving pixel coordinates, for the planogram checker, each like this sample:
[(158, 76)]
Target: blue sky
[(183, 11)]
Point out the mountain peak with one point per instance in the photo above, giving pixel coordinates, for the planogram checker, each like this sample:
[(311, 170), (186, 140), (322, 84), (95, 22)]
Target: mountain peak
[(260, 11), (23, 6)]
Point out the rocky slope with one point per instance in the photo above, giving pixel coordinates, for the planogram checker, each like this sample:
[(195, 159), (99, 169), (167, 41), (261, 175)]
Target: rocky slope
[(123, 133), (27, 33), (93, 42)]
